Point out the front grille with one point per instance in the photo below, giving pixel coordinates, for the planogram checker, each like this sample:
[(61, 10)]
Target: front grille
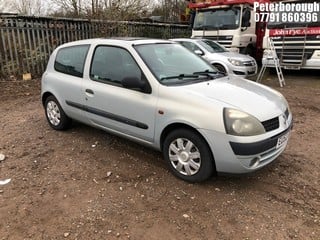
[(271, 124), (296, 45)]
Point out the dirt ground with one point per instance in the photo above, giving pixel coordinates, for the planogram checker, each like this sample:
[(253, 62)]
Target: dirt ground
[(86, 184)]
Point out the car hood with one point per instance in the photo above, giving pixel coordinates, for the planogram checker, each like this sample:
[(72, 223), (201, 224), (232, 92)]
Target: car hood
[(232, 55), (242, 94)]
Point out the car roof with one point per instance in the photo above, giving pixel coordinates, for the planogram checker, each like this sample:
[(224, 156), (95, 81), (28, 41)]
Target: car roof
[(186, 39), (124, 41), (192, 39)]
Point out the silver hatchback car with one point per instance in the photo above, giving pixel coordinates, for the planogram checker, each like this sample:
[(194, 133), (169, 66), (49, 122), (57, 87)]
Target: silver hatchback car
[(231, 63), (158, 93)]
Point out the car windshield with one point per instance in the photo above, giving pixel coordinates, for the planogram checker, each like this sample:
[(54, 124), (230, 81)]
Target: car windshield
[(172, 64), (212, 46), (215, 19)]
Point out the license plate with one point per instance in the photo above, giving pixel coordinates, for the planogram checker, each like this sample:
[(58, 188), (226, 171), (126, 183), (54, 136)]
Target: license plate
[(282, 140), (292, 67)]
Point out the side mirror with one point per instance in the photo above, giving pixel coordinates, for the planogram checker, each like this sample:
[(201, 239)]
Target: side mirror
[(198, 52), (132, 82), (246, 15), (192, 18), (136, 84)]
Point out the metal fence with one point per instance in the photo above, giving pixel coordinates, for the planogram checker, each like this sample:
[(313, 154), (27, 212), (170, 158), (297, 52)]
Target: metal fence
[(27, 42)]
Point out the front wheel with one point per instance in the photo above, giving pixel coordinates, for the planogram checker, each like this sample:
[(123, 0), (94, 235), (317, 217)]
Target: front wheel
[(188, 155), (220, 68)]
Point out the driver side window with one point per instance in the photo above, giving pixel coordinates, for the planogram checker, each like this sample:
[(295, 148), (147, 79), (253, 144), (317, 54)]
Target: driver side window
[(112, 64)]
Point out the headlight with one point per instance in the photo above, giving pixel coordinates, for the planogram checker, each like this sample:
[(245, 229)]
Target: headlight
[(235, 62), (239, 123)]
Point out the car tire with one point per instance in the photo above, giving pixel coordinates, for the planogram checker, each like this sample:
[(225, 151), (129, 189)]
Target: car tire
[(56, 117), (188, 155), (220, 68)]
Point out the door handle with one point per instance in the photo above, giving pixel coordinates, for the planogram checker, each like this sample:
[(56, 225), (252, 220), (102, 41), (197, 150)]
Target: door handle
[(89, 91)]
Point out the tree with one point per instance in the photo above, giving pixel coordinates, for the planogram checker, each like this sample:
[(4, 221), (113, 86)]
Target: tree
[(27, 7), (98, 9), (126, 9), (70, 8), (104, 9), (170, 10), (3, 6)]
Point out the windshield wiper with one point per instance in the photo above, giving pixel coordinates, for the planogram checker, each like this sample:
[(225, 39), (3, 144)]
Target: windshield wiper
[(229, 26), (209, 73), (181, 76), (205, 72), (207, 27), (201, 27)]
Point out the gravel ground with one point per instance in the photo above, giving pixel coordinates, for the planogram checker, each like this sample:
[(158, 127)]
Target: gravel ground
[(86, 184)]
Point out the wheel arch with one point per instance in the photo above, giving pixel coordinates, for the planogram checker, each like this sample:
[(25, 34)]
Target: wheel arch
[(45, 96), (174, 126), (63, 121), (220, 63)]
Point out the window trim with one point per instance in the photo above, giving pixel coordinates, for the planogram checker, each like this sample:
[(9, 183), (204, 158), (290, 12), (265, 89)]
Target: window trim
[(84, 62), (143, 76)]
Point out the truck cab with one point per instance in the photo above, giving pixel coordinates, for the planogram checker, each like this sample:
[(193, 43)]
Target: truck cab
[(229, 22)]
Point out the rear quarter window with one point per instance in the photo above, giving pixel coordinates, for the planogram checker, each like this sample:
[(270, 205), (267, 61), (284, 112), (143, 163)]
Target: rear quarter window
[(71, 60)]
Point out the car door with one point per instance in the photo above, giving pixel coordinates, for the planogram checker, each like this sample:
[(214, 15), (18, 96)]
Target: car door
[(111, 106), (66, 80)]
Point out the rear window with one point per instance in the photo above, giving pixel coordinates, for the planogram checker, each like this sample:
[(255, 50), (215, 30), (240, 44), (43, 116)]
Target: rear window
[(70, 60)]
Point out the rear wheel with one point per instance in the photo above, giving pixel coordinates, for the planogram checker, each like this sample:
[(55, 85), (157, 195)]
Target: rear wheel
[(56, 117), (188, 155)]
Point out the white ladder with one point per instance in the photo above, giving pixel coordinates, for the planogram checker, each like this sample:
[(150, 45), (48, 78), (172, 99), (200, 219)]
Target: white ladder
[(276, 63)]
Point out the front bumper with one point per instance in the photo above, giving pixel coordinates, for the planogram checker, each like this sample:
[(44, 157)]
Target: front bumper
[(238, 157), (258, 154), (313, 63), (245, 71)]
